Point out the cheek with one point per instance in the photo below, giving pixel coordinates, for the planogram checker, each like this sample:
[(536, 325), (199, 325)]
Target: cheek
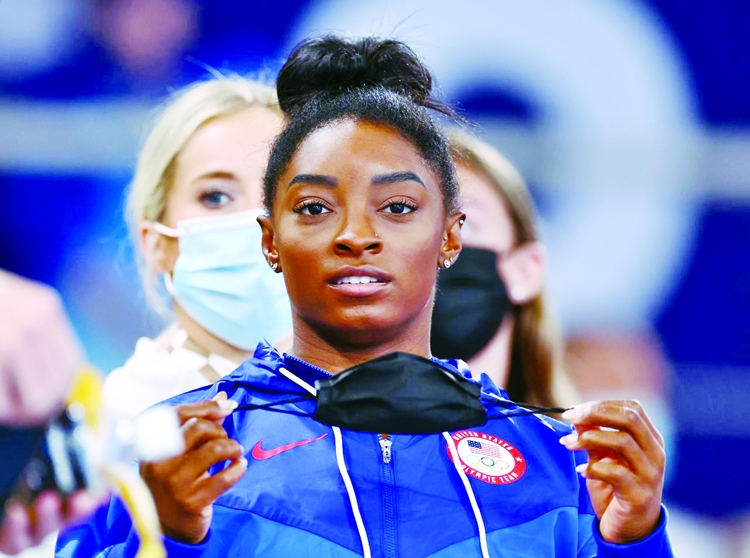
[(171, 252)]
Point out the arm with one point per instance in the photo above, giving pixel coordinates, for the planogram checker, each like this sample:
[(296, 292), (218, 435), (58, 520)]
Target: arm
[(624, 478), (183, 489), (39, 354)]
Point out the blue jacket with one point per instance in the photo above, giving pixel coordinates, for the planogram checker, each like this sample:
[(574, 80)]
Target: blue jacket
[(411, 500)]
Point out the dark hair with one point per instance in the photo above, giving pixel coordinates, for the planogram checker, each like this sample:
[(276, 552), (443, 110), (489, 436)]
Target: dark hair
[(374, 80)]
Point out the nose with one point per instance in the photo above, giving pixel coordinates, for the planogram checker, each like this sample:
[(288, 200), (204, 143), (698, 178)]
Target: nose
[(357, 237)]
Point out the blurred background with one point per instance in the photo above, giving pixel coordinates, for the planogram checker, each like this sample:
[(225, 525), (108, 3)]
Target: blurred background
[(630, 119)]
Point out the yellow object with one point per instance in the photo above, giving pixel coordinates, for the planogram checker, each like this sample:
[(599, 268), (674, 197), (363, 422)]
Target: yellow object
[(140, 506), (86, 392)]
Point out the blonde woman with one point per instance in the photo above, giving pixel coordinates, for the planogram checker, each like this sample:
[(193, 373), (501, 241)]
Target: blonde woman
[(192, 209), (490, 306)]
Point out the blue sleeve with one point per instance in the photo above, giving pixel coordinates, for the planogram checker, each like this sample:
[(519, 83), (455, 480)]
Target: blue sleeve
[(108, 532), (656, 545)]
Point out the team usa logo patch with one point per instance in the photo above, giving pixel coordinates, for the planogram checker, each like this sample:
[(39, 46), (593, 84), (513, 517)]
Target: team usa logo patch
[(488, 458)]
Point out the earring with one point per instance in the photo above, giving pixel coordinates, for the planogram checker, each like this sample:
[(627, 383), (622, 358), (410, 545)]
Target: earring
[(447, 263), (273, 265), (445, 238)]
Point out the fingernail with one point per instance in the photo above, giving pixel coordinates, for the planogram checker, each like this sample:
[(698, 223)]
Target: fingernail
[(243, 463), (573, 414), (228, 404), (570, 439), (190, 422), (581, 469), (221, 395)]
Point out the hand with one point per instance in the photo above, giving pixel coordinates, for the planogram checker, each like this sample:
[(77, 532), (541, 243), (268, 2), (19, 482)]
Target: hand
[(39, 353), (625, 471), (183, 490), (23, 528)]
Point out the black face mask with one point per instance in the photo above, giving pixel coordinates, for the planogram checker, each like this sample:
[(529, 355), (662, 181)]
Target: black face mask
[(470, 304), (399, 393)]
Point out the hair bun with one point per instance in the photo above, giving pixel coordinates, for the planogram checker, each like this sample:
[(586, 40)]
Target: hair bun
[(333, 65)]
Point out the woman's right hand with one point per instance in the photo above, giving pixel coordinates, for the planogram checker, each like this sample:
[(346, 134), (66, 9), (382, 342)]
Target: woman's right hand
[(183, 490)]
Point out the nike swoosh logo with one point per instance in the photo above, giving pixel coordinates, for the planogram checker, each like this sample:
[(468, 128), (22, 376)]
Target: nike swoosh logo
[(260, 454)]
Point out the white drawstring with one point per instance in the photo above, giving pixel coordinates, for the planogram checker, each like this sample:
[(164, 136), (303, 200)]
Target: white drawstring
[(470, 493), (301, 383), (339, 444)]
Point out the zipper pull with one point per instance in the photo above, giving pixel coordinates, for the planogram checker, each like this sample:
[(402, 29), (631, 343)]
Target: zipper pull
[(385, 446)]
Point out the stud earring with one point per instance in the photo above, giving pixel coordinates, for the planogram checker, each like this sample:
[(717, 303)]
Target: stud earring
[(273, 265), (445, 238), (447, 263)]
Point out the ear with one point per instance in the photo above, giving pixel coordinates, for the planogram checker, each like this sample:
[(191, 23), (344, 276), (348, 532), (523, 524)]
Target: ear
[(451, 240), (523, 271), (268, 241), (159, 251)]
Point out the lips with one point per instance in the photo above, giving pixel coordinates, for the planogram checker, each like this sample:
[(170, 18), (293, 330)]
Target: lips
[(363, 275)]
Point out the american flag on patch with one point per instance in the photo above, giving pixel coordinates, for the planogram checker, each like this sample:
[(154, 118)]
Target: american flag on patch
[(490, 450)]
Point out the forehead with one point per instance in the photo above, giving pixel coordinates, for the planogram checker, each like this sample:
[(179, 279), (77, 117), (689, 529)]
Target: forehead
[(488, 221), (245, 135), (352, 147)]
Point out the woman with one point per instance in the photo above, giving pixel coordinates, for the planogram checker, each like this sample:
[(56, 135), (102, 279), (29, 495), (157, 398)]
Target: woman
[(495, 291), (192, 208), (362, 212)]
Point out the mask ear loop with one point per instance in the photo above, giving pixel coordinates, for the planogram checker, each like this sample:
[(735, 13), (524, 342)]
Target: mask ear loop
[(339, 445), (470, 493), (528, 408)]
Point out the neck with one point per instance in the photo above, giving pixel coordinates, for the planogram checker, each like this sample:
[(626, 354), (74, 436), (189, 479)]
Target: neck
[(207, 341), (334, 355), (494, 359)]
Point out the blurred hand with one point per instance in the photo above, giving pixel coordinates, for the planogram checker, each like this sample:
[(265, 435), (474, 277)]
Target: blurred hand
[(625, 471), (39, 353), (23, 528), (183, 490)]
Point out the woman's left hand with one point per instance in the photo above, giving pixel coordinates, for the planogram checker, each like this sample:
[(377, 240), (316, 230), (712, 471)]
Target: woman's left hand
[(625, 471)]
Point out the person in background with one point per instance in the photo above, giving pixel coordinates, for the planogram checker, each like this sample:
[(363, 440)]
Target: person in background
[(39, 355), (491, 308), (363, 213), (192, 208)]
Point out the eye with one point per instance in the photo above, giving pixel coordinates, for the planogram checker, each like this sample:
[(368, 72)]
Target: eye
[(400, 207), (215, 198), (311, 207)]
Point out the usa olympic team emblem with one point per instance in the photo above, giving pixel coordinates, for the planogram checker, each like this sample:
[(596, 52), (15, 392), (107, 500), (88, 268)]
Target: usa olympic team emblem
[(488, 458)]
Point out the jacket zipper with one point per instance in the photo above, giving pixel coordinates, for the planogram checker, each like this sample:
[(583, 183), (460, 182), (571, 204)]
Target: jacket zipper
[(306, 364), (389, 497)]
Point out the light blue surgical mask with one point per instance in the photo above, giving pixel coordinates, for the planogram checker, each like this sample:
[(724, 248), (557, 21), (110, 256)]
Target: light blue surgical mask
[(222, 280)]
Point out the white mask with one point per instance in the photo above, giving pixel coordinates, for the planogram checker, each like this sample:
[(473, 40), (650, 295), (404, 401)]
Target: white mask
[(222, 280)]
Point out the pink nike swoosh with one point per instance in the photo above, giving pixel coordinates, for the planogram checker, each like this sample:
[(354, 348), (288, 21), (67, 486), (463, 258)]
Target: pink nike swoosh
[(259, 453)]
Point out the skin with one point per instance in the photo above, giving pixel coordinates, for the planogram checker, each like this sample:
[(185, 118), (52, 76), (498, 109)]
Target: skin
[(39, 355), (336, 172), (219, 171), (39, 352), (489, 227), (321, 225)]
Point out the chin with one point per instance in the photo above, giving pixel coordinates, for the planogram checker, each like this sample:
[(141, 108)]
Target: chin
[(362, 329)]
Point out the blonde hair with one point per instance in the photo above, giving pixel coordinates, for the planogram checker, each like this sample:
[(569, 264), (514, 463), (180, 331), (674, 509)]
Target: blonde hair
[(173, 125), (535, 370)]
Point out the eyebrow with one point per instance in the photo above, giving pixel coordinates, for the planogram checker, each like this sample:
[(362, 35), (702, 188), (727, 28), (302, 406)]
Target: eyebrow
[(224, 175), (377, 180), (394, 177), (319, 179)]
